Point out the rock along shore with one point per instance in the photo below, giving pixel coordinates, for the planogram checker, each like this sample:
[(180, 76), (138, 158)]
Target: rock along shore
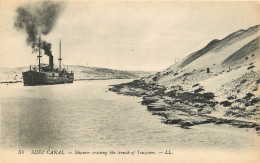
[(180, 107)]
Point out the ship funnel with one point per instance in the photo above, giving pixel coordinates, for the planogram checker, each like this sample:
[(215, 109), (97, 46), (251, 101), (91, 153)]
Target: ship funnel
[(47, 51), (51, 61)]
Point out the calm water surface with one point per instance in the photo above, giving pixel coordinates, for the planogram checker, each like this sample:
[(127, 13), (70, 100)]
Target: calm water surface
[(86, 115)]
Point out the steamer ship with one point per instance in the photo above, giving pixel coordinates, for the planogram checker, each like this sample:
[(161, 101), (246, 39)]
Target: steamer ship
[(47, 75)]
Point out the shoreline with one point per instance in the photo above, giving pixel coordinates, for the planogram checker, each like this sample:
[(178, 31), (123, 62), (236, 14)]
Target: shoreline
[(20, 81), (11, 82), (180, 107)]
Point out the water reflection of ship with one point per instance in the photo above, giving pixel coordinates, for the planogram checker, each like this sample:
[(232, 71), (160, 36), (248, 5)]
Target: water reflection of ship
[(47, 74)]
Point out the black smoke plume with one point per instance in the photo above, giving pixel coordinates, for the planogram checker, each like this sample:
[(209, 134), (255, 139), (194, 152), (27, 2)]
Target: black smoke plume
[(46, 47), (38, 19)]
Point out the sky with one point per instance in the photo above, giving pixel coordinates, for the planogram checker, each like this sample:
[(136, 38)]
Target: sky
[(125, 35)]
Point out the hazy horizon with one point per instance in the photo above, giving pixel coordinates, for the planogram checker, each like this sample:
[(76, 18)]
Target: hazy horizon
[(134, 36)]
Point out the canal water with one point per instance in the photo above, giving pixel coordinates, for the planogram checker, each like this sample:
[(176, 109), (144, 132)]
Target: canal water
[(86, 115)]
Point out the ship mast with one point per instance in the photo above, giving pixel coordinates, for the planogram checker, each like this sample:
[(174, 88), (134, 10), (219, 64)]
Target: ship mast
[(39, 56), (60, 59)]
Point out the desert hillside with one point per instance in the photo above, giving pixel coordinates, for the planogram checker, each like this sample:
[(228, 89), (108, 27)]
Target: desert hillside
[(238, 49), (218, 82)]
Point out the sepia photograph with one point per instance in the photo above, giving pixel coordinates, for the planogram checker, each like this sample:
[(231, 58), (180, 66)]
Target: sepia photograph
[(129, 81)]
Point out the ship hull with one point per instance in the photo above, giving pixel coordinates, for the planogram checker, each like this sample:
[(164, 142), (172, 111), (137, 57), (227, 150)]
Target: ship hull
[(32, 78)]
